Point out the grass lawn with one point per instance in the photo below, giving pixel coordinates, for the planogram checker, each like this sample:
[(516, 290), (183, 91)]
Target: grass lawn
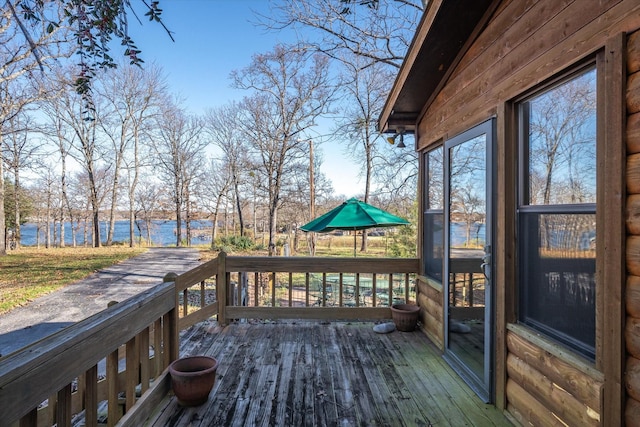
[(28, 273)]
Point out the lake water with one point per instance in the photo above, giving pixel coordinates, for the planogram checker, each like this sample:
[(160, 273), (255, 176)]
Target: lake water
[(162, 233)]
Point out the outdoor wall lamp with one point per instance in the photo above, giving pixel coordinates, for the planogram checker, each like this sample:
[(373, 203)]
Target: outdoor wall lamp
[(392, 139)]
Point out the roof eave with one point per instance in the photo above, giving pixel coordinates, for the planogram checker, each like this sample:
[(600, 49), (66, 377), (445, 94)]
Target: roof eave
[(444, 32)]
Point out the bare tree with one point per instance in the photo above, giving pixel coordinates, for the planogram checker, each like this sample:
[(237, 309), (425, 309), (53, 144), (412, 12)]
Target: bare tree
[(68, 107), (217, 180), (365, 91), (291, 91), (131, 98), (378, 31), (148, 199), (179, 148), (361, 34), (18, 67), (224, 126), (20, 152)]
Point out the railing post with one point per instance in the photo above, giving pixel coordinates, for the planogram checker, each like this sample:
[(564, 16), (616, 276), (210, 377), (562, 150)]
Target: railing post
[(173, 316), (221, 288)]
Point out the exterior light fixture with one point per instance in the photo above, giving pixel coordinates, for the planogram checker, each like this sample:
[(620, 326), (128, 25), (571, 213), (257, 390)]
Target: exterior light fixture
[(392, 139)]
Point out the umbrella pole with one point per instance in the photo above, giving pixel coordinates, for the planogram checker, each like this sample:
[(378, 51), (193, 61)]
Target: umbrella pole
[(355, 241)]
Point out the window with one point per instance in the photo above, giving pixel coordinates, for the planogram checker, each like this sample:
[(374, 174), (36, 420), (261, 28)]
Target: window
[(557, 211), (434, 214)]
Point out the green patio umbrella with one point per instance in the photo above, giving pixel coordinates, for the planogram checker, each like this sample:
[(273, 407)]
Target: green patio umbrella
[(353, 215)]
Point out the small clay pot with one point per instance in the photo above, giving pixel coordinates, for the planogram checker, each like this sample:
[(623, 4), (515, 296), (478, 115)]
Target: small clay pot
[(192, 379), (405, 316)]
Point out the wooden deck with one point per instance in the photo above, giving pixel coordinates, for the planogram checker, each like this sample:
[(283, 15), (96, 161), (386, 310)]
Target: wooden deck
[(324, 374)]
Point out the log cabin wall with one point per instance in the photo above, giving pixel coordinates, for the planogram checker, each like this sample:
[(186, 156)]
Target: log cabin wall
[(524, 44), (632, 331), (430, 297)]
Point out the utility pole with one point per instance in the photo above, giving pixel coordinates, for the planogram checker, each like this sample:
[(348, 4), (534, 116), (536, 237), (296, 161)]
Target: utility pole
[(312, 199)]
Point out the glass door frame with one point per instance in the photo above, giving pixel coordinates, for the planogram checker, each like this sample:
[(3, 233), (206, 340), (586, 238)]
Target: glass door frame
[(484, 387)]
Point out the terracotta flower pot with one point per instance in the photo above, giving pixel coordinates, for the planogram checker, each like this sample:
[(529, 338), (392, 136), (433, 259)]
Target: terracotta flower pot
[(192, 379), (405, 316)]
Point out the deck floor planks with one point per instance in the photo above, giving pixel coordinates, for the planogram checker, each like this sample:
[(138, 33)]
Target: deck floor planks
[(283, 380), (438, 382), (389, 361), (342, 391), (381, 393), (418, 375), (457, 410), (301, 396), (324, 394), (327, 374), (365, 407)]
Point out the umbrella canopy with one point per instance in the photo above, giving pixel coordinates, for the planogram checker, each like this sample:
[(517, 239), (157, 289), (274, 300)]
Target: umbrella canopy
[(354, 215)]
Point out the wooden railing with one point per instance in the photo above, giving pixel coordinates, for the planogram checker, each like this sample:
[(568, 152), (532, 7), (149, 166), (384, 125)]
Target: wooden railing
[(295, 287), (95, 367), (111, 368)]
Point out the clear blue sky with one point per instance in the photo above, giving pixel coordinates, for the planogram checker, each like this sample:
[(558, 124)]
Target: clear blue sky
[(213, 38)]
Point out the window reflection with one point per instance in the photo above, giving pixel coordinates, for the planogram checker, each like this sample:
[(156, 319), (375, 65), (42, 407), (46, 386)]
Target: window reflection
[(562, 135), (557, 222), (434, 214)]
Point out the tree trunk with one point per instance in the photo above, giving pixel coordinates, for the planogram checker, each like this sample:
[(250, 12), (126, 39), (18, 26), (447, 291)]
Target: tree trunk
[(3, 230), (16, 201), (237, 191), (178, 224)]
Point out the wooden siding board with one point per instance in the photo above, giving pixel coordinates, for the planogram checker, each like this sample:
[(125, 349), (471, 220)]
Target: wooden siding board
[(633, 296), (556, 399), (633, 52), (632, 336), (632, 414), (633, 255), (586, 387), (633, 93), (633, 174), (633, 378), (633, 133), (511, 49), (536, 64), (633, 214), (527, 409)]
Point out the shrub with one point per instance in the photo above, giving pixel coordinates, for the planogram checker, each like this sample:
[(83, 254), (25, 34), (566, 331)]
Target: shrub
[(234, 243)]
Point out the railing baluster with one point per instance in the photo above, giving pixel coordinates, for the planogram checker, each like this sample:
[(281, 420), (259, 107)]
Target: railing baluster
[(91, 397), (239, 289), (31, 419), (324, 289), (256, 286), (63, 407), (406, 287), (357, 289), (113, 411), (203, 303), (390, 289), (185, 302), (290, 289), (340, 285), (273, 289), (52, 407), (132, 364), (306, 286), (145, 368), (374, 290), (158, 356)]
